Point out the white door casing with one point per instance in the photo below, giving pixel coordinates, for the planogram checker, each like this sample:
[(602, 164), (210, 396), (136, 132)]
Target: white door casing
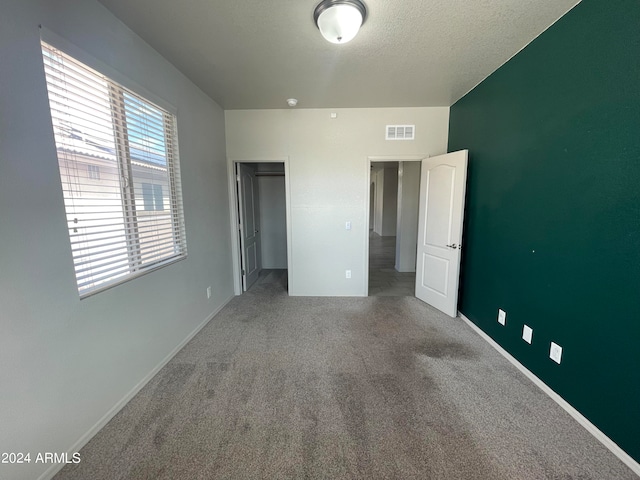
[(442, 193), (249, 225)]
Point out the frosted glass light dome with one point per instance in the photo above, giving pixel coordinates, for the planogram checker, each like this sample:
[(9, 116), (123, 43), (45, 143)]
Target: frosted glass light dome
[(339, 22)]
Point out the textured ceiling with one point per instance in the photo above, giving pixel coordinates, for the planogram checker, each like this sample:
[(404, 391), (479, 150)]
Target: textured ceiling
[(257, 53)]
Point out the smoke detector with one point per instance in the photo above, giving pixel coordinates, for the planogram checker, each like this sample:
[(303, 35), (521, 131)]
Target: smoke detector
[(292, 102)]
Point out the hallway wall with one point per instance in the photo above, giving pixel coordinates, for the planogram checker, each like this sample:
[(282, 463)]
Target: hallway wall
[(273, 221), (408, 207), (389, 202)]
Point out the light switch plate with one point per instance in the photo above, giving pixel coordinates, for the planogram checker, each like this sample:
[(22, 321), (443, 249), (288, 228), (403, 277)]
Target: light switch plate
[(502, 317), (527, 334), (555, 352), (347, 225)]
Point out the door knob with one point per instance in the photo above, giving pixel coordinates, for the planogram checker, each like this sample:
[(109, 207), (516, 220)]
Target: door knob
[(453, 245)]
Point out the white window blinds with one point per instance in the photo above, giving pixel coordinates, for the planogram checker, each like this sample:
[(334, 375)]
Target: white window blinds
[(118, 160)]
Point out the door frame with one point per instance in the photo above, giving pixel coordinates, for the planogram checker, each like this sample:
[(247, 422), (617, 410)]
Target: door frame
[(375, 159), (233, 217)]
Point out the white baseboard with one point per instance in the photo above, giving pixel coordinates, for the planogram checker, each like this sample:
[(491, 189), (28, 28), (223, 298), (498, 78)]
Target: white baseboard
[(591, 428), (84, 439)]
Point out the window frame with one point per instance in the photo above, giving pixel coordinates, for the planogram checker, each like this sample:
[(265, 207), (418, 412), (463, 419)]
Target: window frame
[(127, 193)]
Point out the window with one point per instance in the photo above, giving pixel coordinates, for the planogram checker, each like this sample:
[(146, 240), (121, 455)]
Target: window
[(93, 172), (131, 221)]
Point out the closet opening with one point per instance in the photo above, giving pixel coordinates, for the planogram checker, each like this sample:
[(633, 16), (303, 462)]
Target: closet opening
[(261, 213)]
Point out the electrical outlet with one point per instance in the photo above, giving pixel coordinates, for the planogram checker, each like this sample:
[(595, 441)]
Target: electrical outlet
[(209, 291), (555, 352), (502, 317), (527, 334), (347, 274)]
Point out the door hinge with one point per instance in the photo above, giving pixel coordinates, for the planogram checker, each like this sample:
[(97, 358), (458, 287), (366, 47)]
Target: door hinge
[(243, 272)]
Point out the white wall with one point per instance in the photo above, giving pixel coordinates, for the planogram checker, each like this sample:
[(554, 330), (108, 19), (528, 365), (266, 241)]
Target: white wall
[(408, 203), (329, 180), (65, 362), (273, 222)]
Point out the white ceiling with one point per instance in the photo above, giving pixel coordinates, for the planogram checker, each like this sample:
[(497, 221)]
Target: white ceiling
[(409, 53)]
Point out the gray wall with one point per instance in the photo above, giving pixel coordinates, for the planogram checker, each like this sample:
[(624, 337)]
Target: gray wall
[(64, 362), (273, 222), (377, 175), (329, 180), (408, 203), (385, 209), (390, 202), (372, 203)]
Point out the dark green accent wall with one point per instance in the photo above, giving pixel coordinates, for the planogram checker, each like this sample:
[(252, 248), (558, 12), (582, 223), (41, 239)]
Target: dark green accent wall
[(552, 225)]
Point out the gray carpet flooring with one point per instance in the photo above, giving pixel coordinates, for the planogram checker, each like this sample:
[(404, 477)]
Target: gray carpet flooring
[(279, 387)]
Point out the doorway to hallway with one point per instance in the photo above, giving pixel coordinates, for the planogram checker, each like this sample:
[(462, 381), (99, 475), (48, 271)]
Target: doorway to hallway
[(394, 201)]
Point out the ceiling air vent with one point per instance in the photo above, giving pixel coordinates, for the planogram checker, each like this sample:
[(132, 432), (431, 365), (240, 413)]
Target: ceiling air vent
[(401, 132)]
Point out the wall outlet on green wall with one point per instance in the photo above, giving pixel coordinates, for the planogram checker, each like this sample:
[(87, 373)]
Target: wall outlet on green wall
[(502, 317), (555, 352), (527, 334)]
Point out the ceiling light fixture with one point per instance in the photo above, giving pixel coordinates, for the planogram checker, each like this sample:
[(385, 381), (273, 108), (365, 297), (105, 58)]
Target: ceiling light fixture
[(339, 20), (292, 102)]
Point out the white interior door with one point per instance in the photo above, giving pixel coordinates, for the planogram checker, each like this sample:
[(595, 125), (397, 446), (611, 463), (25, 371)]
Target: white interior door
[(442, 190), (249, 228)]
